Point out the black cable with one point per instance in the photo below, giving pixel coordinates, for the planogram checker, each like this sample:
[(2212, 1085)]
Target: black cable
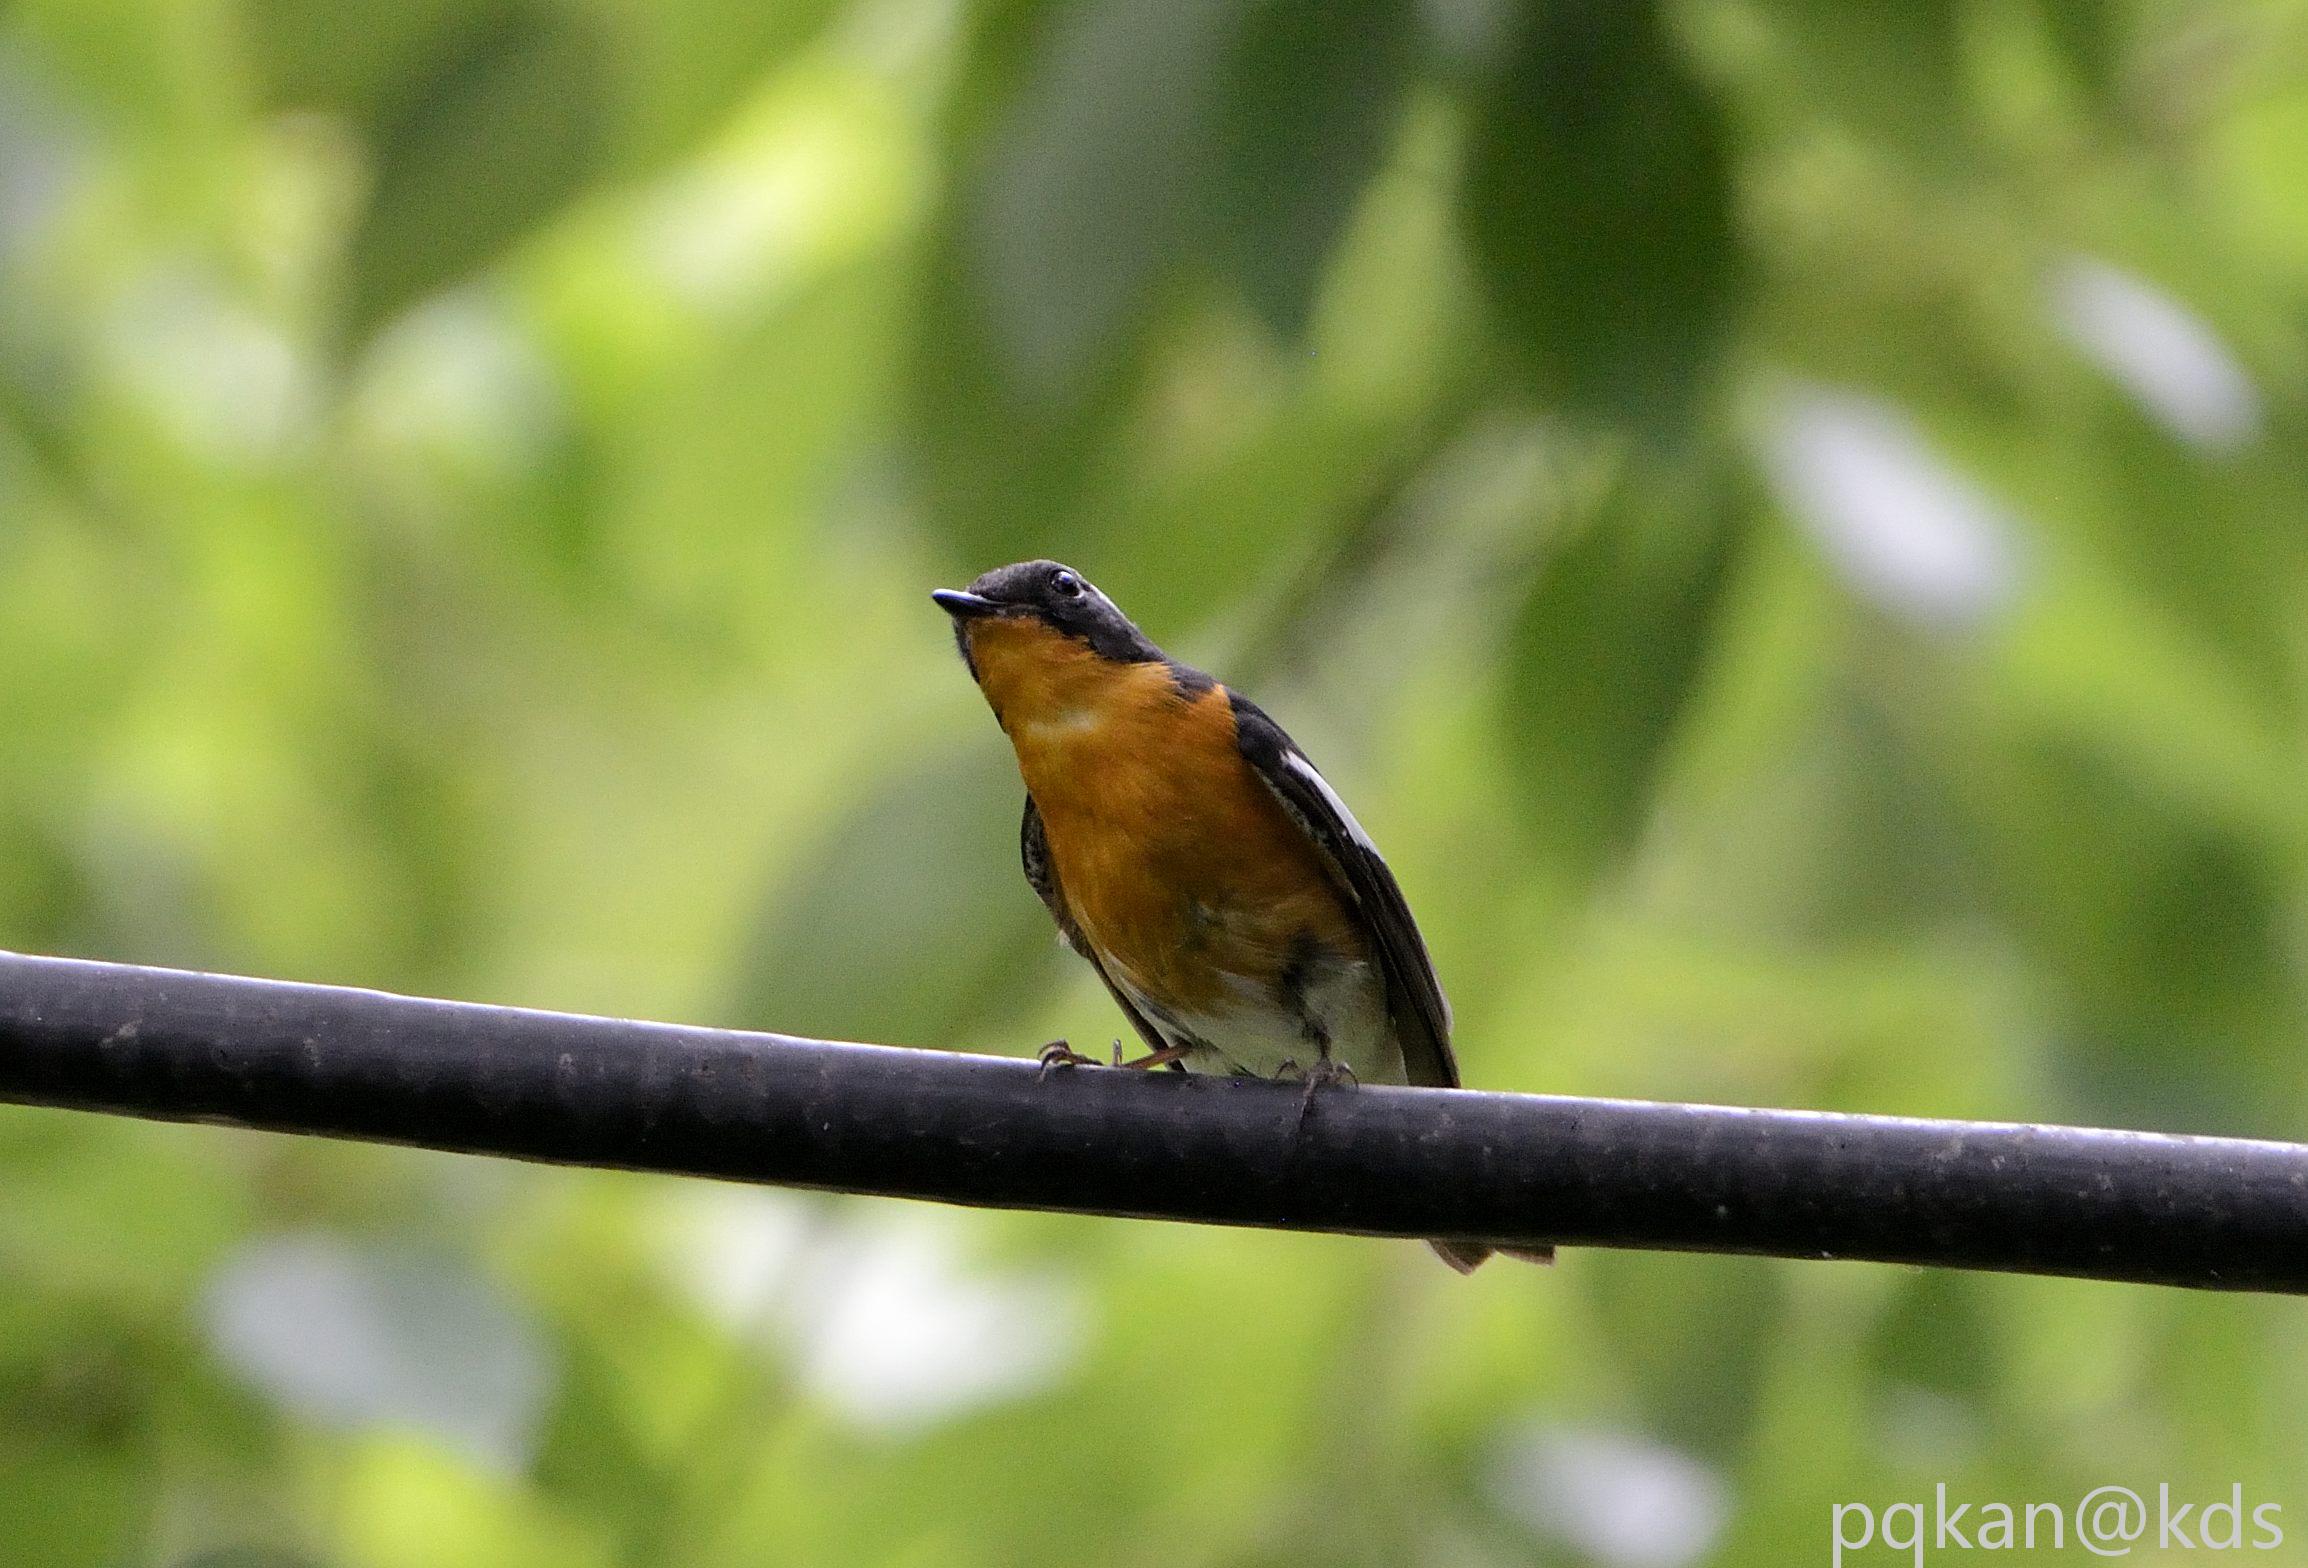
[(2219, 1213)]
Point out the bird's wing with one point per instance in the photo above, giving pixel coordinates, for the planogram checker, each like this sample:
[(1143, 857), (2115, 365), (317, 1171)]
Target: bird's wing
[(1422, 1015), (1042, 876)]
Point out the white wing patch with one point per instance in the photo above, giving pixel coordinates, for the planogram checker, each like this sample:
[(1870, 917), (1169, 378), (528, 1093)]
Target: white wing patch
[(1306, 770), (1297, 765)]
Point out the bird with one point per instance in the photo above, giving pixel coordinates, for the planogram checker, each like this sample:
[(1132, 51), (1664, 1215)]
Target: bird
[(1238, 914)]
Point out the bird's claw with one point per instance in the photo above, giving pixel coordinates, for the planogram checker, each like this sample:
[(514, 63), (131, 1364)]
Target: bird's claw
[(1059, 1054), (1327, 1072)]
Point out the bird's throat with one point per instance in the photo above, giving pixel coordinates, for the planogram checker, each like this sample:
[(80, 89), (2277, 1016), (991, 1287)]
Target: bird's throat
[(1061, 704)]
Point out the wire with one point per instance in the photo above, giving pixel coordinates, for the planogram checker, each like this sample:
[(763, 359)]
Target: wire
[(1517, 1170)]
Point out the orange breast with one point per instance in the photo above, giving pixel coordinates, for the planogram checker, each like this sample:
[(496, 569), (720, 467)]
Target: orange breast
[(1177, 862)]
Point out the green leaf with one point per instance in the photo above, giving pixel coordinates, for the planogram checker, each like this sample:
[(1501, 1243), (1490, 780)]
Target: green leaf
[(690, 61), (997, 469), (2090, 36), (1312, 94), (913, 919), (1605, 657), (1089, 193), (1893, 73), (1074, 135), (682, 64), (2143, 924), (348, 56), (498, 135), (1598, 199)]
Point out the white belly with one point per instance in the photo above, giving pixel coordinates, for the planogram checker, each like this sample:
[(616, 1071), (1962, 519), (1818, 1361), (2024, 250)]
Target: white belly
[(1255, 1037)]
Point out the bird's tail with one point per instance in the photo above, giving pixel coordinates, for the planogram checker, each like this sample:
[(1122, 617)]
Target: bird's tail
[(1467, 1256)]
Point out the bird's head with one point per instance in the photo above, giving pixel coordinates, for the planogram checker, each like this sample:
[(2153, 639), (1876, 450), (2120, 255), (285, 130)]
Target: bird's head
[(1041, 633), (1037, 607)]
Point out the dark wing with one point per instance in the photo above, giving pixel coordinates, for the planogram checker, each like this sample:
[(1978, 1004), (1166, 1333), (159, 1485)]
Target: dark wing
[(1042, 876), (1422, 1017)]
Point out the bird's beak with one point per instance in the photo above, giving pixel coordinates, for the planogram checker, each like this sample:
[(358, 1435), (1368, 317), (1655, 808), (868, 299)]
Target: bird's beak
[(965, 606)]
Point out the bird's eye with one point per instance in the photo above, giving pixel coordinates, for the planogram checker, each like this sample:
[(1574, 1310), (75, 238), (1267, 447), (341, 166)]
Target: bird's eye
[(1066, 586)]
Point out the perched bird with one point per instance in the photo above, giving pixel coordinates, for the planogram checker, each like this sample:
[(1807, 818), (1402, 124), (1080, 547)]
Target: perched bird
[(1185, 846)]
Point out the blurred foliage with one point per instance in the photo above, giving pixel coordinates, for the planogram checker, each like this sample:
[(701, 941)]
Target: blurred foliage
[(1784, 517)]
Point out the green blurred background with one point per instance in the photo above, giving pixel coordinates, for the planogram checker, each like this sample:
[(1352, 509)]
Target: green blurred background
[(1784, 516)]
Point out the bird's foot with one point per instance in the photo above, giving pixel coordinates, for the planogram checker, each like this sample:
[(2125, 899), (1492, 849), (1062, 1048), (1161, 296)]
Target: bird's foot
[(1327, 1072), (1059, 1054), (1151, 1060)]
